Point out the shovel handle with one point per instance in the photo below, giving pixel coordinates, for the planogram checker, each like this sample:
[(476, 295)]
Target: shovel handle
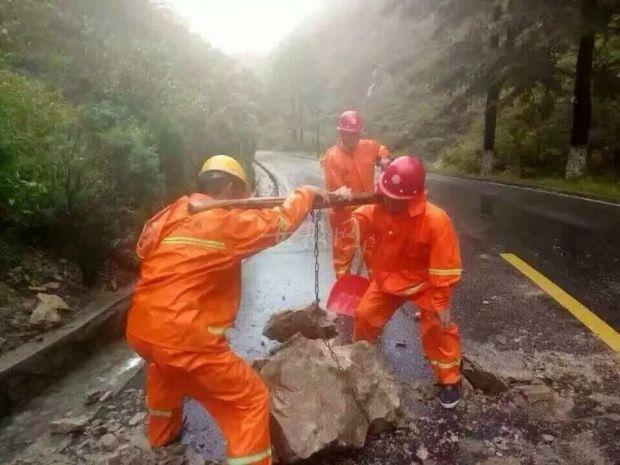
[(271, 202)]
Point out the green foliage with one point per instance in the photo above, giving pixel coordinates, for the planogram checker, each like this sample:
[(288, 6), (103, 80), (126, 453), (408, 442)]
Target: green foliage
[(107, 109)]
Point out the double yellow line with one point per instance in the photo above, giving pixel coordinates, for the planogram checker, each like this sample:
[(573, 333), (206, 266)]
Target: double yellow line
[(605, 332)]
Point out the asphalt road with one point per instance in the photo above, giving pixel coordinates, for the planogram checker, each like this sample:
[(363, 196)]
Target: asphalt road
[(574, 242)]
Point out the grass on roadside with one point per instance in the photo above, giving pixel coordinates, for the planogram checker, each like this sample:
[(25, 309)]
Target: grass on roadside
[(600, 187)]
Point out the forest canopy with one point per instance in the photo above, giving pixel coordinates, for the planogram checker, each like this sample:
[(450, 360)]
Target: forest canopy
[(454, 80)]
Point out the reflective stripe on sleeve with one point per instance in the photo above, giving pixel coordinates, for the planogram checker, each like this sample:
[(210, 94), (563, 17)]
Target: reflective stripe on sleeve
[(217, 330), (156, 412), (249, 459), (185, 240), (445, 271)]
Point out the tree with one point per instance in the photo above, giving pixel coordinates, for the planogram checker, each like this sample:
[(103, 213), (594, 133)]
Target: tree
[(594, 16)]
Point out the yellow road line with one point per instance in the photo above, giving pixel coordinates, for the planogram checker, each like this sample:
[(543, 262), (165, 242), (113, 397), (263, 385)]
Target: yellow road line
[(610, 336)]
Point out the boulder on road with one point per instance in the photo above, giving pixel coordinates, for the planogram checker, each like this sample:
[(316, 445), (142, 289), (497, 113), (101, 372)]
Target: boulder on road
[(493, 371), (311, 322), (315, 405)]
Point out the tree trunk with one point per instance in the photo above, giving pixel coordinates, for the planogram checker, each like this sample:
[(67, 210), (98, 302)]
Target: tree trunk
[(490, 110), (582, 99), (490, 123)]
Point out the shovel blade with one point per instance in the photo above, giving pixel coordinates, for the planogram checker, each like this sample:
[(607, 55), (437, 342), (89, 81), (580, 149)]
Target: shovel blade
[(346, 294)]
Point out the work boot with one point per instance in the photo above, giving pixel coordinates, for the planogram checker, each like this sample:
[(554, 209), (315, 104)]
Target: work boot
[(450, 395)]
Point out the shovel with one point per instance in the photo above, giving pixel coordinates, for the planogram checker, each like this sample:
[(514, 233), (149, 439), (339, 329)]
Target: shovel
[(346, 294)]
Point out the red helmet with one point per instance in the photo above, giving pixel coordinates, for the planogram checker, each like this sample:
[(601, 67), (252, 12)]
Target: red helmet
[(350, 121), (404, 178)]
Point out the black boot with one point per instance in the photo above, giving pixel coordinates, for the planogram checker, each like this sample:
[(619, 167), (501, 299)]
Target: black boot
[(450, 395)]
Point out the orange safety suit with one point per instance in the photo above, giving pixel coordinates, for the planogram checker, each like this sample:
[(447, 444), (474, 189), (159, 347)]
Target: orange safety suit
[(187, 296), (416, 257), (355, 170)]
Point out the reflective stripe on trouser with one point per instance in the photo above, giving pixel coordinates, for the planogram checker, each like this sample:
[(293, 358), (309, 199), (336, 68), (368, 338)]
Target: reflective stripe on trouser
[(165, 406), (344, 242), (442, 346), (224, 384)]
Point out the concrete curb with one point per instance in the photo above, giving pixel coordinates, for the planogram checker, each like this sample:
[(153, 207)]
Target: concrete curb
[(28, 369)]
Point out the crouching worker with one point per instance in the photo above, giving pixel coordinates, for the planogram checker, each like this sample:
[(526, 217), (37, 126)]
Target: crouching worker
[(414, 256), (188, 295)]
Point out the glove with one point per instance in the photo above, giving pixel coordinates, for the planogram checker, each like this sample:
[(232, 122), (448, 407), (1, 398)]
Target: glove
[(342, 193)]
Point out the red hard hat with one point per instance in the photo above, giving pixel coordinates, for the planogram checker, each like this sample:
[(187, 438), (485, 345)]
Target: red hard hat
[(404, 178), (350, 121)]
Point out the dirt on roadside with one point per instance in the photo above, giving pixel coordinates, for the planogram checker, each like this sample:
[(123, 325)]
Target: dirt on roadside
[(40, 273)]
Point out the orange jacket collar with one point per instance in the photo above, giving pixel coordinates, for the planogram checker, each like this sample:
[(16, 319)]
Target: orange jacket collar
[(417, 205)]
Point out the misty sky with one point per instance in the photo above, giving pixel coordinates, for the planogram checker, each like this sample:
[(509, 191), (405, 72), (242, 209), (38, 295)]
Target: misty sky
[(244, 25)]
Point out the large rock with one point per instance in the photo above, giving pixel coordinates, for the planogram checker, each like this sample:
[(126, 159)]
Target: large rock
[(312, 322), (493, 371), (314, 405)]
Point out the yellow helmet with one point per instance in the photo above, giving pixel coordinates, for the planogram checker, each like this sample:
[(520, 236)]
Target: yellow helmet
[(227, 164)]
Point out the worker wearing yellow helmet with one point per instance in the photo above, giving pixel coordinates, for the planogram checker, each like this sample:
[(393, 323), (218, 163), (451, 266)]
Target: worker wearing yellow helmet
[(188, 296)]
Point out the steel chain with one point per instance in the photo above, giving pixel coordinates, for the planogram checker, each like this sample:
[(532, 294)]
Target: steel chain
[(316, 219)]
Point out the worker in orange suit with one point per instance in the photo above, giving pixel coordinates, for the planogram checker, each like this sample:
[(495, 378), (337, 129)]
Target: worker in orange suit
[(188, 296), (350, 163), (415, 257)]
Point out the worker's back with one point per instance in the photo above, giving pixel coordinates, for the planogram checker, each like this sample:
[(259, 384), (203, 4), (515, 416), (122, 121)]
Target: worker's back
[(189, 287), (190, 284)]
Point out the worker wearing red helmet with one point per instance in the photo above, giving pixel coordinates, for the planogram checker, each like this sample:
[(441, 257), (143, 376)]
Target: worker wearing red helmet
[(415, 257), (350, 163)]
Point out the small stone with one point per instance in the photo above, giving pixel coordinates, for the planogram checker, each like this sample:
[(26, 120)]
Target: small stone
[(92, 396), (106, 396), (453, 438), (137, 419), (548, 438), (68, 425), (413, 428), (109, 442), (2, 341), (422, 453), (501, 443)]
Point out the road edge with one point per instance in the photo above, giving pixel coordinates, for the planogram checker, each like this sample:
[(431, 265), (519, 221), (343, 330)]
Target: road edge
[(26, 371), (532, 187)]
